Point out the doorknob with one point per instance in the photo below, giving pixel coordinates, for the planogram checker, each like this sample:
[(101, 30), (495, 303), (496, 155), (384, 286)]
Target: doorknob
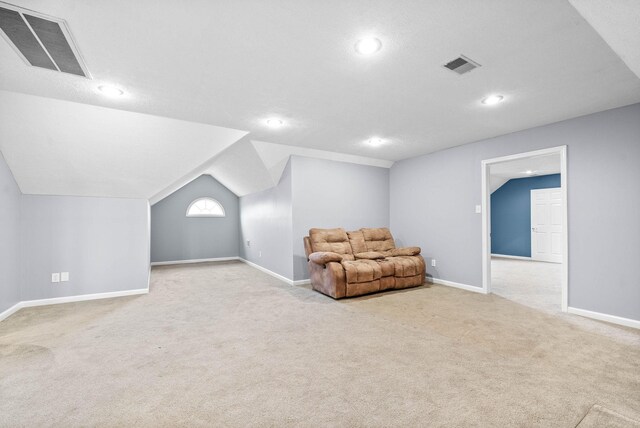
[(533, 229)]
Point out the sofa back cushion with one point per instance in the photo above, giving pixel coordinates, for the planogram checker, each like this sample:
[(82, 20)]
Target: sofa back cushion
[(331, 240), (356, 239), (378, 239), (307, 246)]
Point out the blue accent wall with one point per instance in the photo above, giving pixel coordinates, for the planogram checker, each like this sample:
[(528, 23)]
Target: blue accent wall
[(511, 214)]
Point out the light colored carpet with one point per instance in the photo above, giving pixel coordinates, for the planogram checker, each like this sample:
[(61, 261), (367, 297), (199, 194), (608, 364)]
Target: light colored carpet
[(531, 283), (599, 417), (226, 345), (538, 285)]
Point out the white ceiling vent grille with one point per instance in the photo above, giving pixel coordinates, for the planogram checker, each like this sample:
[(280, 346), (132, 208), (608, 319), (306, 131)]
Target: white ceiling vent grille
[(461, 65), (40, 40)]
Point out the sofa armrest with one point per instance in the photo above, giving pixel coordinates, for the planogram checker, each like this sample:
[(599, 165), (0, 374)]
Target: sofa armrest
[(324, 257), (369, 255), (405, 251)]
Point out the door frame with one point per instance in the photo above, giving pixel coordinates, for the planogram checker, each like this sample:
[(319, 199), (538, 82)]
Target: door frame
[(486, 216)]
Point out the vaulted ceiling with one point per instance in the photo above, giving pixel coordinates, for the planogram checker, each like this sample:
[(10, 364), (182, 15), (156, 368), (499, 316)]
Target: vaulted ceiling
[(57, 147), (212, 72)]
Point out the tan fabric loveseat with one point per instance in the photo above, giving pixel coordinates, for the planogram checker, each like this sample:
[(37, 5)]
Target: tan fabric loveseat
[(346, 264)]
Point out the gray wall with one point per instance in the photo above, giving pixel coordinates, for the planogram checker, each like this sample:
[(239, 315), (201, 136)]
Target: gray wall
[(102, 242), (174, 236), (265, 220), (9, 238), (311, 193), (433, 199), (330, 194)]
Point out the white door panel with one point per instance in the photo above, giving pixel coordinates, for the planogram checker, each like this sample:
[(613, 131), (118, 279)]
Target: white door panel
[(556, 244), (546, 225), (556, 214)]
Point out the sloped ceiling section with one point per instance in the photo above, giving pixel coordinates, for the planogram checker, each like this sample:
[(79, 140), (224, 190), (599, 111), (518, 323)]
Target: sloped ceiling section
[(251, 166), (276, 156), (539, 165), (618, 23), (241, 170), (56, 147)]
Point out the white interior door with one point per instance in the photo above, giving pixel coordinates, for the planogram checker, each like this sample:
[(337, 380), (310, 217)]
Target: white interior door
[(546, 225)]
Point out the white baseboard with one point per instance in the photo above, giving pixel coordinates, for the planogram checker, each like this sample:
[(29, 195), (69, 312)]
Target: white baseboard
[(82, 298), (70, 299), (12, 310), (302, 282), (627, 322), (505, 256), (180, 262), (457, 285), (270, 272)]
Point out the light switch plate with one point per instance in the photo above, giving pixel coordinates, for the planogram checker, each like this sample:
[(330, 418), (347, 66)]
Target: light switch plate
[(55, 277), (64, 276), (478, 209)]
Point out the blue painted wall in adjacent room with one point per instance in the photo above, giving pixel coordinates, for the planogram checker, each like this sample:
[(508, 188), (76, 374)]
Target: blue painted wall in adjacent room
[(511, 214)]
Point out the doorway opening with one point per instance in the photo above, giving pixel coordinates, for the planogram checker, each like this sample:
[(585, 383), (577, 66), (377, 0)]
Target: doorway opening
[(524, 228)]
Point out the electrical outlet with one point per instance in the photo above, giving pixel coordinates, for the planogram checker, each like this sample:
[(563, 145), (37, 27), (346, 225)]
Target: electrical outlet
[(55, 277), (64, 276), (248, 243), (259, 253), (433, 262)]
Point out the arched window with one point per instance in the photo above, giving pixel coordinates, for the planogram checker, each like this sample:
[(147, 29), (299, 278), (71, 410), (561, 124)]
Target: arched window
[(205, 207)]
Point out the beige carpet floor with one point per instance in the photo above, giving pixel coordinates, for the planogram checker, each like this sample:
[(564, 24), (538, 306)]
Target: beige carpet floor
[(538, 285), (226, 345), (600, 417), (531, 283)]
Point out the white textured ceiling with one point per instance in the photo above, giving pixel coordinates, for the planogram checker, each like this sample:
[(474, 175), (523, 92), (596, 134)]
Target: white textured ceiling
[(251, 166), (234, 63), (500, 173), (539, 165), (618, 22), (62, 148)]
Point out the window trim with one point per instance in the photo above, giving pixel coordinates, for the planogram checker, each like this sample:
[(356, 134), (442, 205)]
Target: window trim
[(215, 201)]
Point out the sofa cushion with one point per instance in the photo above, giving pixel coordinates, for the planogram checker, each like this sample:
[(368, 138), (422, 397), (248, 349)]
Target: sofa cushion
[(307, 246), (324, 257), (356, 239), (388, 283), (360, 288), (387, 267), (404, 251), (361, 270), (378, 239), (408, 281), (330, 240), (369, 255), (406, 266)]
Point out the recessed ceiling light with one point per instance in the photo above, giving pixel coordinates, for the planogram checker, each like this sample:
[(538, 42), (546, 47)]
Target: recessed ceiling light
[(110, 91), (492, 99), (528, 171), (274, 122), (368, 45), (375, 141)]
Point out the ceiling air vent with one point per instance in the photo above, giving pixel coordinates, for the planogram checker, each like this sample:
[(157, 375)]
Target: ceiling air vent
[(40, 40), (461, 65)]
